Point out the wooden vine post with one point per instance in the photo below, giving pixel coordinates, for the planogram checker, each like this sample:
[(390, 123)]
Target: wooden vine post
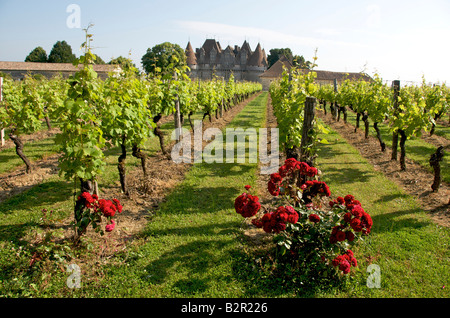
[(177, 113), (334, 105), (291, 152), (2, 130), (306, 154), (396, 87)]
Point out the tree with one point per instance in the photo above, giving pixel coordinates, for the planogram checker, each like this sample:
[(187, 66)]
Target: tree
[(37, 55), (164, 58), (275, 54), (299, 61), (125, 63), (98, 60), (61, 53)]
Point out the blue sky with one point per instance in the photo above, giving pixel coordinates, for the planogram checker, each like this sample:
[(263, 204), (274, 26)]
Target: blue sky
[(398, 39)]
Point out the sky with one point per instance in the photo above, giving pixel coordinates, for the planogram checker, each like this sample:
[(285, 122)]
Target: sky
[(397, 39)]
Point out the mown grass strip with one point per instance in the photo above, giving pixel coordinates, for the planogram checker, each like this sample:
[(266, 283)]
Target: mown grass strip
[(411, 250)]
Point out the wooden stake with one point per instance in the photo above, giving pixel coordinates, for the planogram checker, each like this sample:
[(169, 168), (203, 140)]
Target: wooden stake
[(2, 131), (308, 124)]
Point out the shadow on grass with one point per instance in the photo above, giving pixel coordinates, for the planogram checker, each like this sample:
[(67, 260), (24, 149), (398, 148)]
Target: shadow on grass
[(17, 212), (348, 175), (397, 221), (196, 258)]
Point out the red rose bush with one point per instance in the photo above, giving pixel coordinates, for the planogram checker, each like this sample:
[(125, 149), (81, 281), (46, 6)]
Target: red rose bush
[(90, 210), (313, 236)]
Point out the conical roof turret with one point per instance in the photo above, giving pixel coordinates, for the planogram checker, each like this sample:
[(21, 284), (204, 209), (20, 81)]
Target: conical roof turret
[(191, 59)]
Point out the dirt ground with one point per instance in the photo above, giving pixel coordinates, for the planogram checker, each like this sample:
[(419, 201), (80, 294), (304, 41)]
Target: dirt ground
[(39, 135)]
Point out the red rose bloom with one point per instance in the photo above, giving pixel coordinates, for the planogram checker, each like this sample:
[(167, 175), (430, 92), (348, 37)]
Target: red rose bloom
[(345, 261), (247, 187), (118, 205), (340, 236), (283, 171), (348, 198), (347, 217), (355, 223), (333, 239), (273, 188), (291, 163), (345, 267), (357, 211), (247, 205), (107, 208), (314, 218), (266, 222), (293, 215), (276, 178), (349, 236), (277, 227), (312, 171), (111, 226), (281, 215)]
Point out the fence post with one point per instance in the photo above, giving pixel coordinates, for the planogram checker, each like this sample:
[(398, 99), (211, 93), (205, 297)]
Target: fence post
[(2, 131), (177, 114), (396, 87), (306, 154), (333, 107)]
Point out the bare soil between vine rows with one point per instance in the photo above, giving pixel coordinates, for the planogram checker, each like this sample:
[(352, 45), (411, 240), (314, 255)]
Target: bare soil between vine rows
[(416, 180), (36, 136)]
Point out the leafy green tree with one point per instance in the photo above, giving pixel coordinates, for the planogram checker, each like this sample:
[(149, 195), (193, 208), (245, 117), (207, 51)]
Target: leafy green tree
[(296, 60), (99, 60), (61, 53), (275, 54), (164, 58), (37, 55), (125, 63), (300, 61)]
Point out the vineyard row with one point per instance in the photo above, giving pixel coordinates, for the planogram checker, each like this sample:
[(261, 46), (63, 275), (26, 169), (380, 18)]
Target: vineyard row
[(408, 111)]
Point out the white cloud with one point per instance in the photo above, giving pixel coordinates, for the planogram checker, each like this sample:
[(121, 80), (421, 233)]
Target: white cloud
[(231, 32)]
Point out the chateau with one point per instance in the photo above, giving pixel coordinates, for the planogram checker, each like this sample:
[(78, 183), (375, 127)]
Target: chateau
[(211, 59)]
